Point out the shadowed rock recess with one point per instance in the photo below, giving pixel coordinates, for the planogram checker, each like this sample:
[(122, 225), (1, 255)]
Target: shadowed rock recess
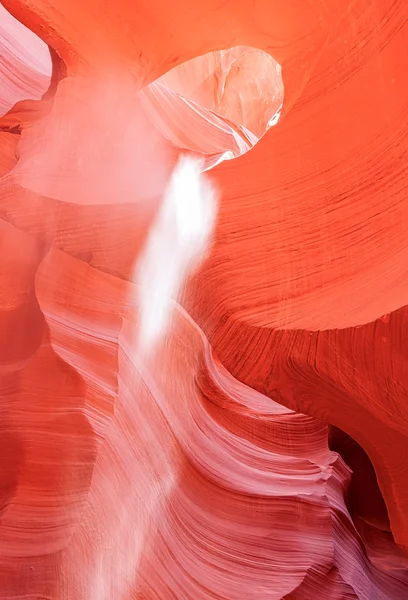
[(243, 166)]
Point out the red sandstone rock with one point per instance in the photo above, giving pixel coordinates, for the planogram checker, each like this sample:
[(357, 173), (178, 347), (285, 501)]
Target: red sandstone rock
[(174, 476)]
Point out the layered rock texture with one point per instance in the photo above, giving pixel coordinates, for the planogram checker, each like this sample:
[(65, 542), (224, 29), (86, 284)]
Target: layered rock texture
[(256, 449)]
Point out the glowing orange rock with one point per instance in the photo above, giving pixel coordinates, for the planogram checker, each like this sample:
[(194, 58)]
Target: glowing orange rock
[(323, 194), (132, 477)]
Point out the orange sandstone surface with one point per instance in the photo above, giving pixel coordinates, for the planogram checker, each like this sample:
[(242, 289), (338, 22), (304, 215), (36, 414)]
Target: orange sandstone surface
[(259, 452)]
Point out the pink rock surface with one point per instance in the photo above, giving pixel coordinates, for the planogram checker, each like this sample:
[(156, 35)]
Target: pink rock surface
[(25, 63), (209, 469), (143, 484)]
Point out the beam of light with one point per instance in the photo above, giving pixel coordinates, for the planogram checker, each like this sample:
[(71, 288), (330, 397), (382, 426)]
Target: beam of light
[(176, 244)]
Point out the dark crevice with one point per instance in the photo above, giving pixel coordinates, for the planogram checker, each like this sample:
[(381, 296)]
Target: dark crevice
[(364, 500)]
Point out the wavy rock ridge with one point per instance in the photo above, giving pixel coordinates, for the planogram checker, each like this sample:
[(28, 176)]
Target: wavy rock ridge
[(259, 452)]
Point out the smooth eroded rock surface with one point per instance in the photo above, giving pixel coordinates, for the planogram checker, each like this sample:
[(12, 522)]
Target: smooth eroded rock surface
[(259, 452)]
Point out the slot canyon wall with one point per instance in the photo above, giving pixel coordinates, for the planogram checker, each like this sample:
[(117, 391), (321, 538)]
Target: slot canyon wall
[(258, 450)]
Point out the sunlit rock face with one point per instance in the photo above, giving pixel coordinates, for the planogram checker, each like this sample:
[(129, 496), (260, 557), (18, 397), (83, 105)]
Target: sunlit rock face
[(25, 63), (203, 307), (217, 105)]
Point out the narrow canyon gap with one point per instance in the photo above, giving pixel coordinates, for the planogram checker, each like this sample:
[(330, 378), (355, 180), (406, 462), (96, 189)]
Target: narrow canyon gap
[(259, 451)]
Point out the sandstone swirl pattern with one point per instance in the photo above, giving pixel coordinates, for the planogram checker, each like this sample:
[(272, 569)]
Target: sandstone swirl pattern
[(220, 467)]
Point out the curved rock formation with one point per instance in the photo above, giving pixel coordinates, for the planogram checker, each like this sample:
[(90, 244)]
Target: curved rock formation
[(25, 63), (259, 451)]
